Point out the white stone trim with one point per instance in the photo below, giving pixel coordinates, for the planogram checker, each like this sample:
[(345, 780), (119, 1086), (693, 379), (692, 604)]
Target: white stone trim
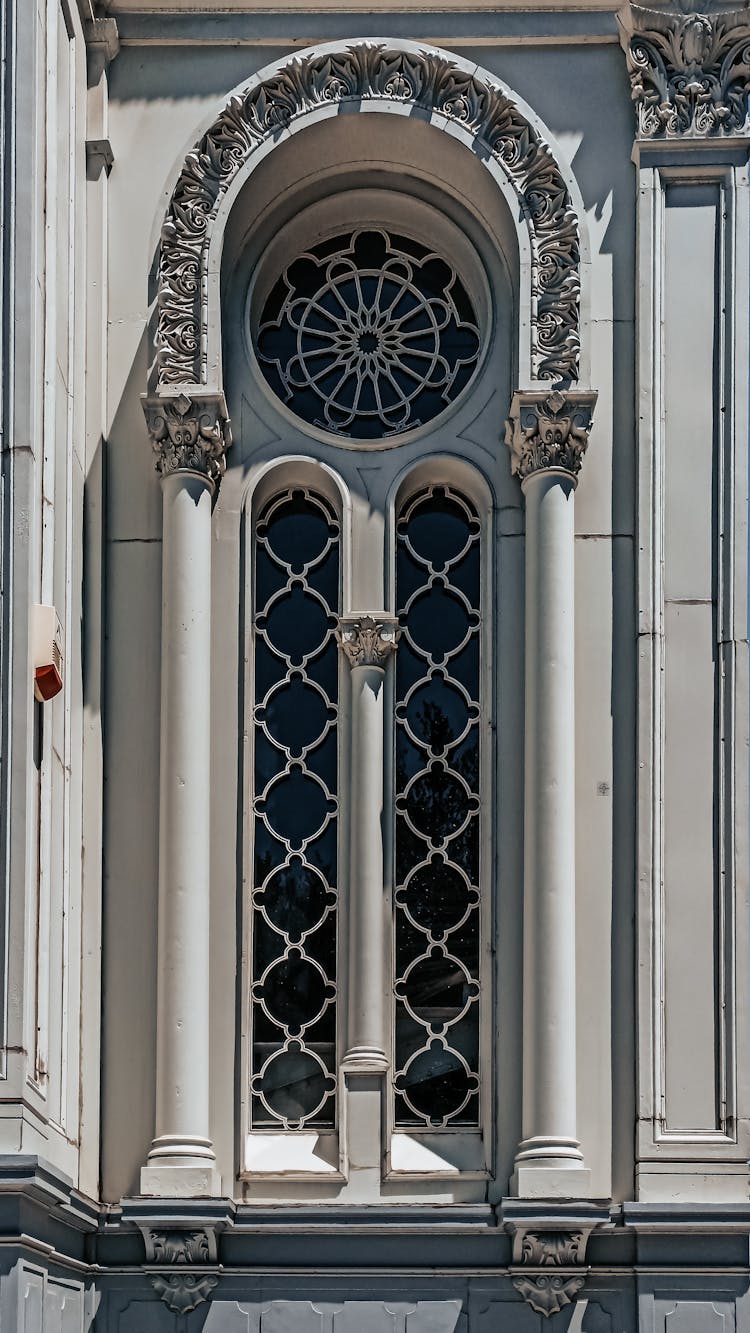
[(402, 78)]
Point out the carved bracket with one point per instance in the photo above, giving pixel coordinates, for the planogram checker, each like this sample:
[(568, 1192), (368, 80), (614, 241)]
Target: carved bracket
[(549, 430), (367, 640), (189, 433), (180, 1250), (549, 1251), (689, 69)]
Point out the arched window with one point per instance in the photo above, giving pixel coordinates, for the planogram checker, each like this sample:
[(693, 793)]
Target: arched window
[(295, 814), (436, 944)]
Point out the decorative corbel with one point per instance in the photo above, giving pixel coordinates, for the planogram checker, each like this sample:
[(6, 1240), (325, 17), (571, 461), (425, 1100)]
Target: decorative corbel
[(189, 433), (548, 1253), (102, 45), (549, 430), (367, 640), (689, 69), (178, 1251)]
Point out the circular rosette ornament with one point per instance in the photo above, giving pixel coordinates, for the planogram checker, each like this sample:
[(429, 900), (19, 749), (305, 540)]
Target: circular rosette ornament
[(368, 335)]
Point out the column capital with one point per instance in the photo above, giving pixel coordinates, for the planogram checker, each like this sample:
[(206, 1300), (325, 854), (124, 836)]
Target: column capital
[(189, 433), (549, 429), (689, 68), (367, 640)]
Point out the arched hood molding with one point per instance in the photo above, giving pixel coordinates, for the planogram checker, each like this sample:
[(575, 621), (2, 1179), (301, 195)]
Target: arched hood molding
[(399, 77)]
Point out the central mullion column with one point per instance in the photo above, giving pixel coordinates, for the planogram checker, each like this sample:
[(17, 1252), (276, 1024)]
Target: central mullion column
[(367, 642), (189, 438), (548, 434)]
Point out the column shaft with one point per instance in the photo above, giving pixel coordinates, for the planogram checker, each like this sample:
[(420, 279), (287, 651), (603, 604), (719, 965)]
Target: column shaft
[(181, 1161), (366, 1034)]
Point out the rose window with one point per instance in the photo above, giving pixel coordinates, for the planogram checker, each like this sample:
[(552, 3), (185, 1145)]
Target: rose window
[(368, 335)]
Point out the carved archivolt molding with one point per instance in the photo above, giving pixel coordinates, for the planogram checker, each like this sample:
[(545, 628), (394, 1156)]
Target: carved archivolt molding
[(689, 69), (366, 641), (189, 434), (549, 430), (369, 72)]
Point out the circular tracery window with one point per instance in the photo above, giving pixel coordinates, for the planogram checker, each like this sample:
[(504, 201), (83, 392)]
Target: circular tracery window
[(368, 334)]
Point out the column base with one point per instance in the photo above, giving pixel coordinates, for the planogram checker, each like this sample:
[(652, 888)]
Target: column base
[(181, 1168), (187, 1181), (550, 1168), (365, 1060)]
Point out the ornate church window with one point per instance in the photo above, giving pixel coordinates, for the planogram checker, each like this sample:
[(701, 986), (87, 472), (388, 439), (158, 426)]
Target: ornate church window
[(368, 334), (437, 836), (295, 879)]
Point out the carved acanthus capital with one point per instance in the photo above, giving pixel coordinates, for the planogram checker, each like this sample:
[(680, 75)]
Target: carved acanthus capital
[(189, 433), (549, 430), (689, 69), (367, 640)]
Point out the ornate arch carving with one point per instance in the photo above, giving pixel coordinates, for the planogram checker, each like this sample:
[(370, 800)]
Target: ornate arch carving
[(443, 89)]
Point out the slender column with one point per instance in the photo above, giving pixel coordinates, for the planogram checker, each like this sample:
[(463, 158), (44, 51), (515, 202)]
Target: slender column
[(189, 437), (367, 643), (547, 434)]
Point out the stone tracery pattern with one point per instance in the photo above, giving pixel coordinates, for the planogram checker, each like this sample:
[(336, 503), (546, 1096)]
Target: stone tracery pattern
[(437, 899), (368, 334), (689, 69), (369, 72), (293, 1058)]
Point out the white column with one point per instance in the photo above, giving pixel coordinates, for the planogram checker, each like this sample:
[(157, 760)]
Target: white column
[(189, 438), (548, 434), (367, 642)]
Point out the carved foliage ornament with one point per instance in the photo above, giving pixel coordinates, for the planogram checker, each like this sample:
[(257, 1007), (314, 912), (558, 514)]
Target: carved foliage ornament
[(549, 431), (368, 72), (188, 434), (549, 1292), (181, 1291), (366, 641), (689, 69)]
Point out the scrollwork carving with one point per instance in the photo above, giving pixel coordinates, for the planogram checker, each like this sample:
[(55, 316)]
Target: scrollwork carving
[(188, 434), (183, 1292), (367, 72), (366, 641), (180, 1247), (549, 431), (548, 1293), (689, 69)]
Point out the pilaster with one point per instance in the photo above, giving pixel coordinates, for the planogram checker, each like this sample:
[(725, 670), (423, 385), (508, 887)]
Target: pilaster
[(547, 433), (189, 436)]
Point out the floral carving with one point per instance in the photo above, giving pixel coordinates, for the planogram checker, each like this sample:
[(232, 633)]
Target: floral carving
[(188, 434), (182, 1292), (689, 69), (548, 1293), (549, 431), (366, 641), (180, 1247), (367, 72)]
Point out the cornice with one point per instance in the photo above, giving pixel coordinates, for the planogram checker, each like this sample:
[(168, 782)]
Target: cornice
[(689, 69)]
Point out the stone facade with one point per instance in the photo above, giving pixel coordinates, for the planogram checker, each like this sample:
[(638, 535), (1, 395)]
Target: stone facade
[(427, 325)]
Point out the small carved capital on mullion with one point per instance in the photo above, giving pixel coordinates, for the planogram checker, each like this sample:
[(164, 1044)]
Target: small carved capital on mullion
[(367, 640), (549, 430), (689, 68), (189, 433)]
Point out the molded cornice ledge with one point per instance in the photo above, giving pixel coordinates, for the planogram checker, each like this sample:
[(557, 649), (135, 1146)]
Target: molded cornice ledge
[(548, 431), (189, 433), (689, 69)]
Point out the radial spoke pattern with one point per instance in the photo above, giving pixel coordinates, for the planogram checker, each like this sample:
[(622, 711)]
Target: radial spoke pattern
[(293, 1055), (368, 335), (437, 917)]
